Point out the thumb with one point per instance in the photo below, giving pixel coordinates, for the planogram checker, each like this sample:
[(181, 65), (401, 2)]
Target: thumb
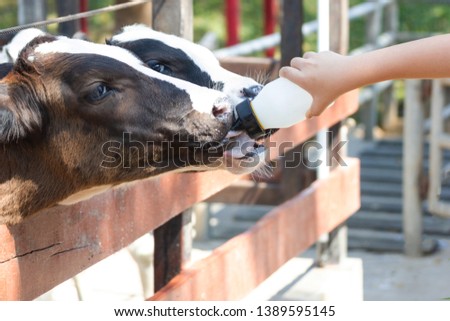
[(315, 110)]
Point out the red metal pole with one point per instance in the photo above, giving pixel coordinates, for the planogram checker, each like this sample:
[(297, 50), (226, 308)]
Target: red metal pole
[(270, 20), (83, 21), (232, 12)]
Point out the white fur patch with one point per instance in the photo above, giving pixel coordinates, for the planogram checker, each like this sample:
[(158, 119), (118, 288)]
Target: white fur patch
[(11, 51), (203, 99), (201, 56)]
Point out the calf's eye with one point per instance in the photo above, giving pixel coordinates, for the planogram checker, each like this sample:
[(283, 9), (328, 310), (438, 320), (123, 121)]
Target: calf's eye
[(99, 92), (159, 67)]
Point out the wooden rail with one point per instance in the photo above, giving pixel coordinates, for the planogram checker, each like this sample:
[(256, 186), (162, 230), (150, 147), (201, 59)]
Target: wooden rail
[(241, 264), (56, 244)]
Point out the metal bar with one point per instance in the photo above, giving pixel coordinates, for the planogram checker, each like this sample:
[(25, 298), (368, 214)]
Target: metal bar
[(83, 21), (232, 13), (272, 40), (368, 93), (438, 141), (270, 20), (73, 16), (366, 8), (412, 168)]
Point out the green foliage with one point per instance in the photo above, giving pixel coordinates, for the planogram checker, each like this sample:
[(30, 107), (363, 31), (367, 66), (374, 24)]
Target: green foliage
[(8, 13), (210, 17), (416, 16)]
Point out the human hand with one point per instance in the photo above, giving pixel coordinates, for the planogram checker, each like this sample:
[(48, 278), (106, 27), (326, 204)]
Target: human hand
[(324, 75)]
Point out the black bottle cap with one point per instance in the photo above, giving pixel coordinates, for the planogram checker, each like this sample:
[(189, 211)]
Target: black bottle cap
[(246, 120)]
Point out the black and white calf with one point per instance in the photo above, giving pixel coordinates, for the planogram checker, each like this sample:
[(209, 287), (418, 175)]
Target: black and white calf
[(183, 59), (67, 101)]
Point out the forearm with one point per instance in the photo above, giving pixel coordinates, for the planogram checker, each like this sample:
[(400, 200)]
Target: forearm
[(328, 75), (425, 58)]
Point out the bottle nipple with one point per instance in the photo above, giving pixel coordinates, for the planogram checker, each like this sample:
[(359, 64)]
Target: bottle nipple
[(280, 104)]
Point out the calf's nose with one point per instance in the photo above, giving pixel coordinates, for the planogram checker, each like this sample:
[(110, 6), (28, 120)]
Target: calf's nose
[(222, 110), (252, 92)]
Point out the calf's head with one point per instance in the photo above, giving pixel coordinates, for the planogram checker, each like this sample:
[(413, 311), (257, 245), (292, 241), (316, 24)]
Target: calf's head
[(183, 59)]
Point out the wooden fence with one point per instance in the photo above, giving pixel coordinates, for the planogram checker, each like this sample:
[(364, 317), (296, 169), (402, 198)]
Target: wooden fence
[(56, 244)]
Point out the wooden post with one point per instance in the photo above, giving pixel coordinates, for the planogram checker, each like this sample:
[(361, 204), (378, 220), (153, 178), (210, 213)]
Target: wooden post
[(137, 14), (174, 17), (170, 249), (373, 29), (64, 8), (31, 11), (339, 26), (291, 31), (390, 114), (412, 168), (333, 248), (173, 240)]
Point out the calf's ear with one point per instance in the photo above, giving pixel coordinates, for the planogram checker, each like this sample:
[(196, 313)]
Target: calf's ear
[(20, 118)]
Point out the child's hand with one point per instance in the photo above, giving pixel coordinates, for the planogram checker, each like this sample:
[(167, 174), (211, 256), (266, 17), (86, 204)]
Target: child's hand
[(323, 75)]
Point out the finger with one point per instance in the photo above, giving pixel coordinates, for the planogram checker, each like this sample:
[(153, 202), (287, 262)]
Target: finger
[(315, 110), (309, 54), (292, 74), (297, 62)]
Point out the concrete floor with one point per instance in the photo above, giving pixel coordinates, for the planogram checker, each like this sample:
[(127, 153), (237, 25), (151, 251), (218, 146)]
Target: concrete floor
[(368, 276)]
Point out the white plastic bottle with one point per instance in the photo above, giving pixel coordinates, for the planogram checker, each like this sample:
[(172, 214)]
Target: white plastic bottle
[(280, 104)]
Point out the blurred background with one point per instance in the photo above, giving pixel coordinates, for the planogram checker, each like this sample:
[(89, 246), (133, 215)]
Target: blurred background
[(376, 135)]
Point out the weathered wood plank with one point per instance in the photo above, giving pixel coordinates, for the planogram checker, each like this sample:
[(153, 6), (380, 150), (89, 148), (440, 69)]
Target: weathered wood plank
[(245, 261), (259, 68), (60, 242)]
